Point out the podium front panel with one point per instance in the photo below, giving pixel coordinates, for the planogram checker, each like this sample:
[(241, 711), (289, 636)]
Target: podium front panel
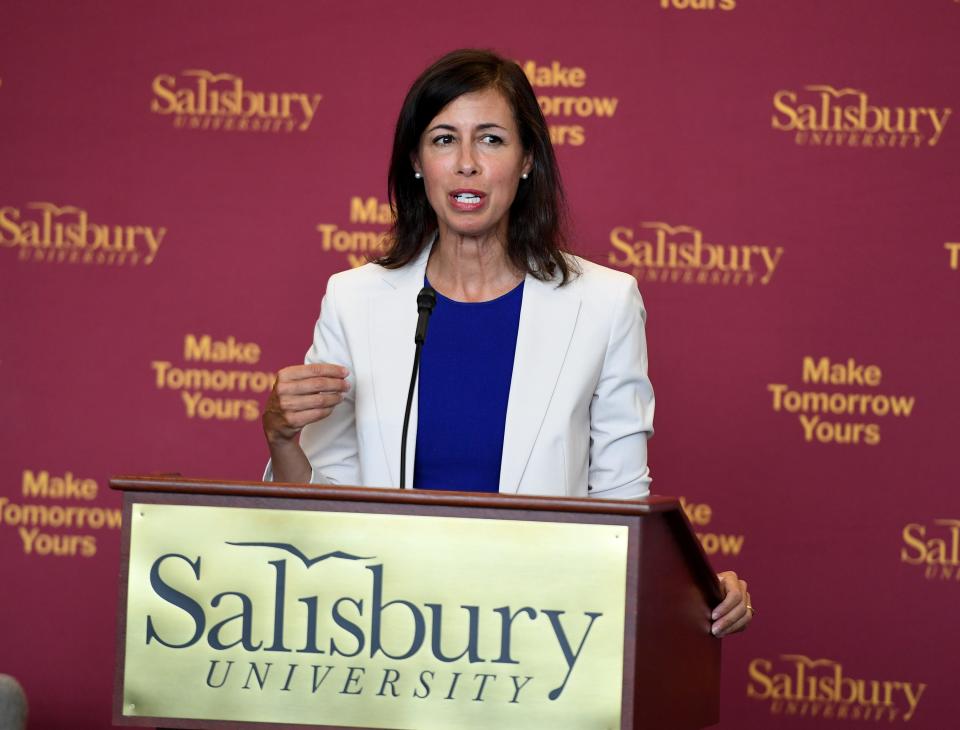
[(312, 613)]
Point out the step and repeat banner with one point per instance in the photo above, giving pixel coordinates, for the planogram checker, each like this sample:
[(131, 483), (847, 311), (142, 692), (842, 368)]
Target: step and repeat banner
[(781, 177)]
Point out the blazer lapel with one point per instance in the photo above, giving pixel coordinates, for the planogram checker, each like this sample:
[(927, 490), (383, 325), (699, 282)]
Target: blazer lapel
[(392, 321), (548, 316)]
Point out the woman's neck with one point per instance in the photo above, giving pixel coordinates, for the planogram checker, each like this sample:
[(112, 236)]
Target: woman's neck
[(468, 269)]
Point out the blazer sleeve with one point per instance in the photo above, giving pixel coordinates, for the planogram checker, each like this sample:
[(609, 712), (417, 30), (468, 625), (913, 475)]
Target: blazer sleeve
[(331, 444), (621, 411)]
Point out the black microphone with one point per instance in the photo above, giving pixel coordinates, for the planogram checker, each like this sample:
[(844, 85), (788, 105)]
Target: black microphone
[(426, 301)]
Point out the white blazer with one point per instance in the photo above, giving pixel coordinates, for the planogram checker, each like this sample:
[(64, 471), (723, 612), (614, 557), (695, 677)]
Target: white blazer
[(580, 407)]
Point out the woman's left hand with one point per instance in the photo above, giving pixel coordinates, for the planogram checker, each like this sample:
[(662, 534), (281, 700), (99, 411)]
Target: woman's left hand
[(734, 612)]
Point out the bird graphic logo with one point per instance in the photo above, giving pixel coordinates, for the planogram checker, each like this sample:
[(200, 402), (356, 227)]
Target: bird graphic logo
[(296, 552)]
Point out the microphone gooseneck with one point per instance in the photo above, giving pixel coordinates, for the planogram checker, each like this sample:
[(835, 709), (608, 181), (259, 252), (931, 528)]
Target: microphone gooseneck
[(426, 301)]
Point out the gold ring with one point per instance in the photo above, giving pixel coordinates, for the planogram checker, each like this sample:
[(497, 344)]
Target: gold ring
[(752, 610)]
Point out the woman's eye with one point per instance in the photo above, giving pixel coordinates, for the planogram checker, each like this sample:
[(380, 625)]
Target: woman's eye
[(443, 139), (492, 139)]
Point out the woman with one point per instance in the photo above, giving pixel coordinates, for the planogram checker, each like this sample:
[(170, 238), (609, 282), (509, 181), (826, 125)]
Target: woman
[(533, 377)]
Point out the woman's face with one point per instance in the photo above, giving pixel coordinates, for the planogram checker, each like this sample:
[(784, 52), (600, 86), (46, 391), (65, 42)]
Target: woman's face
[(471, 160)]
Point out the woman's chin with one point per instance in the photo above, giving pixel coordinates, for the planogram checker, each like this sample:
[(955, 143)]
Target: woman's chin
[(472, 229)]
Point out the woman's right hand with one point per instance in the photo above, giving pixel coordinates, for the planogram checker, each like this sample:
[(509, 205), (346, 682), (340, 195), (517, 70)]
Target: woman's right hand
[(302, 394)]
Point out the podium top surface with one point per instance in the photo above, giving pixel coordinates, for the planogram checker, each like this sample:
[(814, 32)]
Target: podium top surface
[(281, 490)]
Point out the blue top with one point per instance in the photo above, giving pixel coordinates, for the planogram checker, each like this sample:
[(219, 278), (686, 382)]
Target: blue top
[(465, 372)]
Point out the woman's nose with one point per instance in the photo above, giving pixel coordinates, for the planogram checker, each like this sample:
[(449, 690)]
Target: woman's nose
[(467, 161)]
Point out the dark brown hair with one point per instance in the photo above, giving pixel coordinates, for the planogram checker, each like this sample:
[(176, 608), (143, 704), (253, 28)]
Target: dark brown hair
[(536, 237)]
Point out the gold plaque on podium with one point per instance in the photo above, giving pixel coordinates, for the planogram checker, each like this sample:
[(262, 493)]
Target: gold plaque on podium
[(373, 620)]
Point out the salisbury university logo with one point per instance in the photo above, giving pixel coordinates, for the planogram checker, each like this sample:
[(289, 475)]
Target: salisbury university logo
[(47, 232), (822, 115), (202, 99), (333, 635), (656, 251), (933, 548), (823, 689)]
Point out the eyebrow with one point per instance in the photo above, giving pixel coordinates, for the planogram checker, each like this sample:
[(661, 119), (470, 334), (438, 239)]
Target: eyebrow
[(485, 125)]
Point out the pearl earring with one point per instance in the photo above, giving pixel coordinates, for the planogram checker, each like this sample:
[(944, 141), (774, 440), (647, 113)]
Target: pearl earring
[(525, 175), (417, 175)]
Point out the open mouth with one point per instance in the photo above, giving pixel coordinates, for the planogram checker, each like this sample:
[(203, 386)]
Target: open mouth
[(467, 198)]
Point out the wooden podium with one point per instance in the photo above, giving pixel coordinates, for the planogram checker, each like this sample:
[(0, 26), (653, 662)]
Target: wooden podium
[(627, 580)]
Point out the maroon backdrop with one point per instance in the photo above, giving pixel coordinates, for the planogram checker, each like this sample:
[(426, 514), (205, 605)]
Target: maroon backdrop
[(179, 180)]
